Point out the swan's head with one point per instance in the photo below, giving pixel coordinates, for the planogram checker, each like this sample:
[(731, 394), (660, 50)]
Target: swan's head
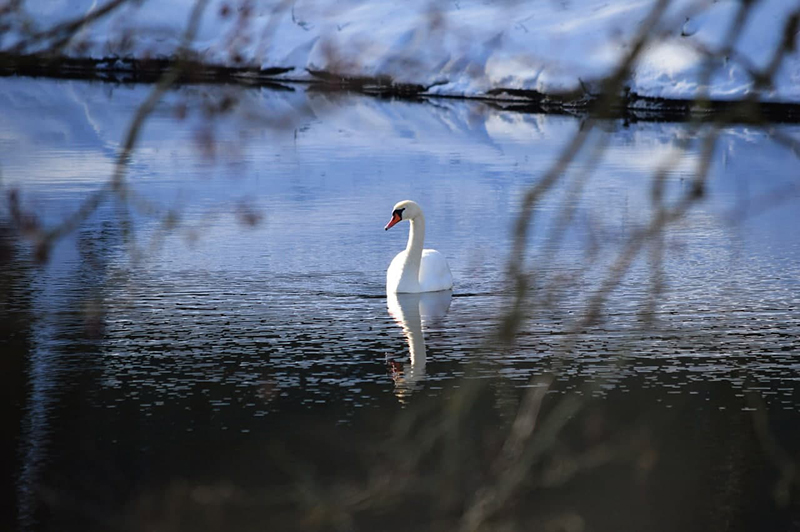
[(405, 210)]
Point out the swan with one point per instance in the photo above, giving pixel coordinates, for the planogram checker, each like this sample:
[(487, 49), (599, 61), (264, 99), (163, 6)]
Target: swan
[(416, 270)]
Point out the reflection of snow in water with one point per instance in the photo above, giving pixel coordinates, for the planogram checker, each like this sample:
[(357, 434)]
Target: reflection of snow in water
[(410, 311)]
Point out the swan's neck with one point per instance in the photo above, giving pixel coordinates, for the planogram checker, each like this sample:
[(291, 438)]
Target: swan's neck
[(416, 239)]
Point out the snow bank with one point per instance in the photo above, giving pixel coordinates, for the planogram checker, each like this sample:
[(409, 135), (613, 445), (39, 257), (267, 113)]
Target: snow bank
[(461, 47)]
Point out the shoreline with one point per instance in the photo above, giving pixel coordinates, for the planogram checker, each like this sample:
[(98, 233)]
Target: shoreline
[(630, 106)]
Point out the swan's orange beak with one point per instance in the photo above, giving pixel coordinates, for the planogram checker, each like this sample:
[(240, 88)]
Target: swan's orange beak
[(395, 218)]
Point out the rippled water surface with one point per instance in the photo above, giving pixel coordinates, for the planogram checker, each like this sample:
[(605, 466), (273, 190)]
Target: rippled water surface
[(143, 355)]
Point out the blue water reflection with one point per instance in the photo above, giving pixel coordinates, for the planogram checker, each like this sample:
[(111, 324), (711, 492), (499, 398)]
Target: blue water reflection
[(218, 326)]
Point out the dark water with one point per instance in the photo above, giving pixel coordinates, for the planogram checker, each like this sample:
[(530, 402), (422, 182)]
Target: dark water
[(224, 375)]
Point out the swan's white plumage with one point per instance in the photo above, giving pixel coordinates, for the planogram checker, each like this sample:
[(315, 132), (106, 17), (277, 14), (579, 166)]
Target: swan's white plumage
[(414, 269), (434, 273)]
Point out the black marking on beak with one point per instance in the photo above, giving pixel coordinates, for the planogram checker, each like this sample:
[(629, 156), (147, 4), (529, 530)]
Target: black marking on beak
[(397, 215)]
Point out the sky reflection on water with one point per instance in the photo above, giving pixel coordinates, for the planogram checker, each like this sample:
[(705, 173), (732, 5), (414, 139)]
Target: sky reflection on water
[(222, 325)]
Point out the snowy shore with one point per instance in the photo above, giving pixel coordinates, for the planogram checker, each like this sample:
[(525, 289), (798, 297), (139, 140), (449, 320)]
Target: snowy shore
[(493, 49)]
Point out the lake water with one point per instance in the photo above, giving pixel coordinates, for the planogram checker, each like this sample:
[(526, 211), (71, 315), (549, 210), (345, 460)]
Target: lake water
[(243, 368)]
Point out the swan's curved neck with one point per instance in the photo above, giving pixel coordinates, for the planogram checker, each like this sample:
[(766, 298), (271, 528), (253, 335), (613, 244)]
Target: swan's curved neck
[(416, 239), (409, 276)]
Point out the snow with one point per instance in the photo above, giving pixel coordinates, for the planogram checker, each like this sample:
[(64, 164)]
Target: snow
[(464, 47)]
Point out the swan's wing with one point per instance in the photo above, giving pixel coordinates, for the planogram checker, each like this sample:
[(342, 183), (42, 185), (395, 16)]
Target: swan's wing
[(395, 272), (434, 272)]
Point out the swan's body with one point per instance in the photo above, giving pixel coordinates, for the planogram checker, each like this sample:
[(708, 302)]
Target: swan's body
[(416, 270)]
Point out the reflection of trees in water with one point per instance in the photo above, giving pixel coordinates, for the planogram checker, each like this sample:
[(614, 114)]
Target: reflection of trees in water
[(61, 370), (16, 317)]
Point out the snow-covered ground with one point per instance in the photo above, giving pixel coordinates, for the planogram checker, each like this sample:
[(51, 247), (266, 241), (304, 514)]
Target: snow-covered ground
[(459, 47)]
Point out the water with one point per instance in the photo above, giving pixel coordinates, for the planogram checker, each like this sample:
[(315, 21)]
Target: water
[(210, 375)]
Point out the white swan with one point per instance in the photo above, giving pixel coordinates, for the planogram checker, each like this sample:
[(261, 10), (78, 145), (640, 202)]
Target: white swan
[(415, 269)]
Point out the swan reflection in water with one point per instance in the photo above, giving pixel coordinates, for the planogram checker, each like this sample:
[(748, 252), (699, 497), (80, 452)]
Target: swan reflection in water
[(410, 311)]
